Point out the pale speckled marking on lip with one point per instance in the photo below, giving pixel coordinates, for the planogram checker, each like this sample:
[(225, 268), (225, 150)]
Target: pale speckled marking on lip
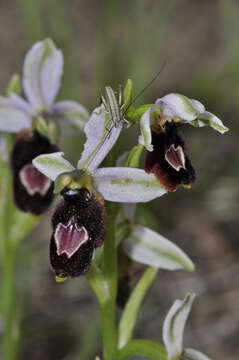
[(175, 157), (34, 181), (69, 238)]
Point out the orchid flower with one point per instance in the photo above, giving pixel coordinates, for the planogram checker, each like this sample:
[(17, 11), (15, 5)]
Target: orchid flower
[(79, 220), (36, 120), (173, 329), (42, 72), (166, 155)]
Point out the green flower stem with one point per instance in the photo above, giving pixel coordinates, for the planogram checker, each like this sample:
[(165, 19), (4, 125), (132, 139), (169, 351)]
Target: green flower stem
[(107, 311), (104, 284), (14, 226), (10, 250), (109, 330), (9, 305), (129, 316), (108, 307), (110, 251), (150, 349)]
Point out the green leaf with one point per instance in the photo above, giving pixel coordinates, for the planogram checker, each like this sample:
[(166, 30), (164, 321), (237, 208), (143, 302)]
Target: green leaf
[(133, 158), (134, 114), (129, 316), (128, 93), (41, 126), (22, 225), (97, 283), (150, 349), (14, 85)]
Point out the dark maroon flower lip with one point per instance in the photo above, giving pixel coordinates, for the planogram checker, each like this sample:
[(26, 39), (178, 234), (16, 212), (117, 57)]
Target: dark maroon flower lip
[(70, 237), (34, 181), (78, 228), (33, 191), (169, 161)]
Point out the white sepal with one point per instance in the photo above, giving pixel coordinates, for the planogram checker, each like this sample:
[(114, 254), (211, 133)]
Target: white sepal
[(42, 71), (209, 119), (150, 248), (70, 115), (52, 165), (13, 120), (101, 134), (123, 184), (191, 354), (18, 103), (145, 138), (173, 327), (191, 111), (178, 106)]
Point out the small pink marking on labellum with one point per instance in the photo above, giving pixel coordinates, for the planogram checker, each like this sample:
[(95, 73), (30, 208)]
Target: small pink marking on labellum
[(34, 181), (70, 237), (175, 157)]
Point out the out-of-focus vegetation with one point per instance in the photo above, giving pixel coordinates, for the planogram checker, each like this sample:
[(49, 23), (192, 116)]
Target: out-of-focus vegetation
[(104, 43)]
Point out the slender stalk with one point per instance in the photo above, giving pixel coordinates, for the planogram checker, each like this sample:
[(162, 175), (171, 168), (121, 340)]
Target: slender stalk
[(9, 305), (129, 315), (108, 308), (109, 331), (110, 251), (14, 227), (9, 254)]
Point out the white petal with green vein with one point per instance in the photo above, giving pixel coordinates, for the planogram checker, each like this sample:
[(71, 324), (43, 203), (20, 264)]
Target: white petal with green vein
[(191, 354), (179, 105), (101, 136), (13, 120), (150, 248), (71, 115), (42, 71), (52, 165), (123, 184), (146, 138), (209, 119), (173, 327)]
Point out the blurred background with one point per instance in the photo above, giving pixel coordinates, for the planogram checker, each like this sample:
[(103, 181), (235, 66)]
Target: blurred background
[(104, 43)]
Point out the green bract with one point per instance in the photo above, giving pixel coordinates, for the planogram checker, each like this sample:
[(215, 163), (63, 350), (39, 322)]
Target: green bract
[(150, 248)]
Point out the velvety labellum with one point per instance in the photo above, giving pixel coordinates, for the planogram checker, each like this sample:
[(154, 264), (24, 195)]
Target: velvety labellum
[(169, 161), (78, 228), (69, 238), (33, 191)]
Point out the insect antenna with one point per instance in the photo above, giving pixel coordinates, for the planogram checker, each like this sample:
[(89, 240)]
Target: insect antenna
[(146, 86)]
